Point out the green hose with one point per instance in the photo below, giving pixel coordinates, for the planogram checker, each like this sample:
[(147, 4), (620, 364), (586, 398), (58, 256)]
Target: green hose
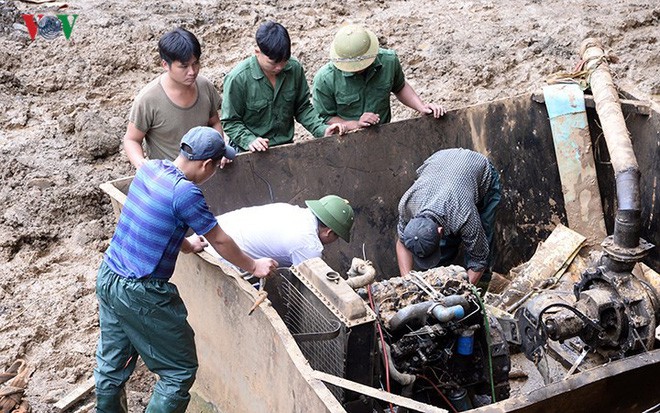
[(490, 356)]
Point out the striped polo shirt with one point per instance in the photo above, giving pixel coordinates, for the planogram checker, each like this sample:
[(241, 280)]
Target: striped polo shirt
[(161, 205)]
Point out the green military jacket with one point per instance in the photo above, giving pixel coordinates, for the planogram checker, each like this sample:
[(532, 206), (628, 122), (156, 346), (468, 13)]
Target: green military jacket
[(349, 95), (251, 108)]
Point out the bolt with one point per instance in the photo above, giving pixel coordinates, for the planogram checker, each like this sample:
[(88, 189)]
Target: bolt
[(591, 271)]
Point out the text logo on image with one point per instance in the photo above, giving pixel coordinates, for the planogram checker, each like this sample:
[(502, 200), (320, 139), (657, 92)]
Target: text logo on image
[(49, 26)]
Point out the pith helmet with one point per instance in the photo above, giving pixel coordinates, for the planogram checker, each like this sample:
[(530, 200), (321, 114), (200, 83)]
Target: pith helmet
[(335, 213), (354, 48)]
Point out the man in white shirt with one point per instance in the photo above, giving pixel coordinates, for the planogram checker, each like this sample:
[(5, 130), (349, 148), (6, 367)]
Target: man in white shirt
[(288, 233)]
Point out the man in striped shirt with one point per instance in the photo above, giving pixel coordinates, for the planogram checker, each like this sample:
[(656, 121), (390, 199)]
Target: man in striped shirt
[(453, 201), (140, 311)]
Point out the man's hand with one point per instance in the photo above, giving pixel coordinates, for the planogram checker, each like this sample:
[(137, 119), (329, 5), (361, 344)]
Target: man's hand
[(224, 162), (335, 128), (258, 145), (435, 110), (474, 276), (367, 119), (264, 267), (193, 243)]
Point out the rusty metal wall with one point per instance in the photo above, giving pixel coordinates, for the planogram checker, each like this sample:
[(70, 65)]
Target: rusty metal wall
[(247, 363), (374, 167)]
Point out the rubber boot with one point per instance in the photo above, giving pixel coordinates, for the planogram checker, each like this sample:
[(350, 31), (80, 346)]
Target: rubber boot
[(162, 404), (113, 403)]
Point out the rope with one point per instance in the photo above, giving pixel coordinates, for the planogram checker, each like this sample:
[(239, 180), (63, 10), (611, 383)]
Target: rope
[(579, 75)]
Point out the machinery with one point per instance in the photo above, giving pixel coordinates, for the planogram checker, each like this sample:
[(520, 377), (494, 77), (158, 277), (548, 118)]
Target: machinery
[(615, 313), (440, 345)]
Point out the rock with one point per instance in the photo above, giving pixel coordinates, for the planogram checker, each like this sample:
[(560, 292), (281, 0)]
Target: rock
[(40, 183)]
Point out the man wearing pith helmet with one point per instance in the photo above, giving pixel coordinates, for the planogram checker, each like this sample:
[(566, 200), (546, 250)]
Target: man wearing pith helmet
[(289, 233), (354, 88)]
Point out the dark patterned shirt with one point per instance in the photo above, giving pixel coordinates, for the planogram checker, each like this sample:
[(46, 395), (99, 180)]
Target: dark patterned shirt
[(450, 185)]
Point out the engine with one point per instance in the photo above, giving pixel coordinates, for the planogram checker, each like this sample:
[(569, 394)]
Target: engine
[(441, 346)]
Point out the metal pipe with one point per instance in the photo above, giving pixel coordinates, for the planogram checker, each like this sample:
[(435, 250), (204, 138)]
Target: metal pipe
[(627, 227), (360, 274), (415, 315)]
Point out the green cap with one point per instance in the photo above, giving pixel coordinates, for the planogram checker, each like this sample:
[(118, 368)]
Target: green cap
[(335, 213), (354, 48)]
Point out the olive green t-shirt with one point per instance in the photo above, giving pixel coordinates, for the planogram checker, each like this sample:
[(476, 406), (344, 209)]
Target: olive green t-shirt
[(165, 123), (253, 108), (349, 95)]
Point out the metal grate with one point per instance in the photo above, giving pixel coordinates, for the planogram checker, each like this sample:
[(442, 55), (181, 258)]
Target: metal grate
[(319, 336)]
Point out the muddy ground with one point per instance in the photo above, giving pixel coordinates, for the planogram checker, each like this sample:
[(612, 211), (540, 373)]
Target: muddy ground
[(64, 105)]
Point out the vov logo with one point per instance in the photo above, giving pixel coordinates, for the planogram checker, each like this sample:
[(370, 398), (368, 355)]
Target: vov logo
[(49, 26)]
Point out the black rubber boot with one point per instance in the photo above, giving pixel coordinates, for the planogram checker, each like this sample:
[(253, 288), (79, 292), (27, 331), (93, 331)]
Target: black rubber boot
[(114, 403), (162, 404)]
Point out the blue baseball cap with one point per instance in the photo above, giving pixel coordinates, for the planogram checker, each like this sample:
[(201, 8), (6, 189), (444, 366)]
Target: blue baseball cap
[(205, 143), (422, 239)]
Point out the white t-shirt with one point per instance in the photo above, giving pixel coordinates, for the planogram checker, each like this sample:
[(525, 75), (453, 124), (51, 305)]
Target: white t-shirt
[(287, 233)]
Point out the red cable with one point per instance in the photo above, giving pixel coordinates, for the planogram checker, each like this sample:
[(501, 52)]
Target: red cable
[(382, 343), (451, 406)]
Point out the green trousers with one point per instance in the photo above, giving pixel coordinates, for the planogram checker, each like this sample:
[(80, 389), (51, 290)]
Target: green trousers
[(145, 318)]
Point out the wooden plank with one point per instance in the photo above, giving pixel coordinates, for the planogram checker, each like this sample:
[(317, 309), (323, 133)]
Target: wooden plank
[(75, 396), (543, 270), (376, 393), (86, 408), (628, 105)]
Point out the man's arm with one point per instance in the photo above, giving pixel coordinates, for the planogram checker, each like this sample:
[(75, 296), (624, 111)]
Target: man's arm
[(325, 104), (476, 246), (304, 112), (410, 98), (133, 145), (404, 258), (215, 123), (227, 248), (367, 119), (233, 113)]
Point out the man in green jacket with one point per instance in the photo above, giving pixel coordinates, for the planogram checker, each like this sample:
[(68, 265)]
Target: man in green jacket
[(264, 93), (354, 88)]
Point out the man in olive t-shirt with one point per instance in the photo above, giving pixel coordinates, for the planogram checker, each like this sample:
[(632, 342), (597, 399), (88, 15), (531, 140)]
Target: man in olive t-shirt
[(173, 103)]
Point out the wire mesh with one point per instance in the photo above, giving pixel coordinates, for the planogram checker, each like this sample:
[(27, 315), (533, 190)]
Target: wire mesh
[(301, 315)]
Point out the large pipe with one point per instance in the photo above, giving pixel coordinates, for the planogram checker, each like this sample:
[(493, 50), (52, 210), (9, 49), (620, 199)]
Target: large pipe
[(627, 226), (361, 273), (404, 379), (415, 315)]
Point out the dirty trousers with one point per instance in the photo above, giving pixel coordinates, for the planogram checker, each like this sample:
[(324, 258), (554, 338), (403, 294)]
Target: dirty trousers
[(145, 318)]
